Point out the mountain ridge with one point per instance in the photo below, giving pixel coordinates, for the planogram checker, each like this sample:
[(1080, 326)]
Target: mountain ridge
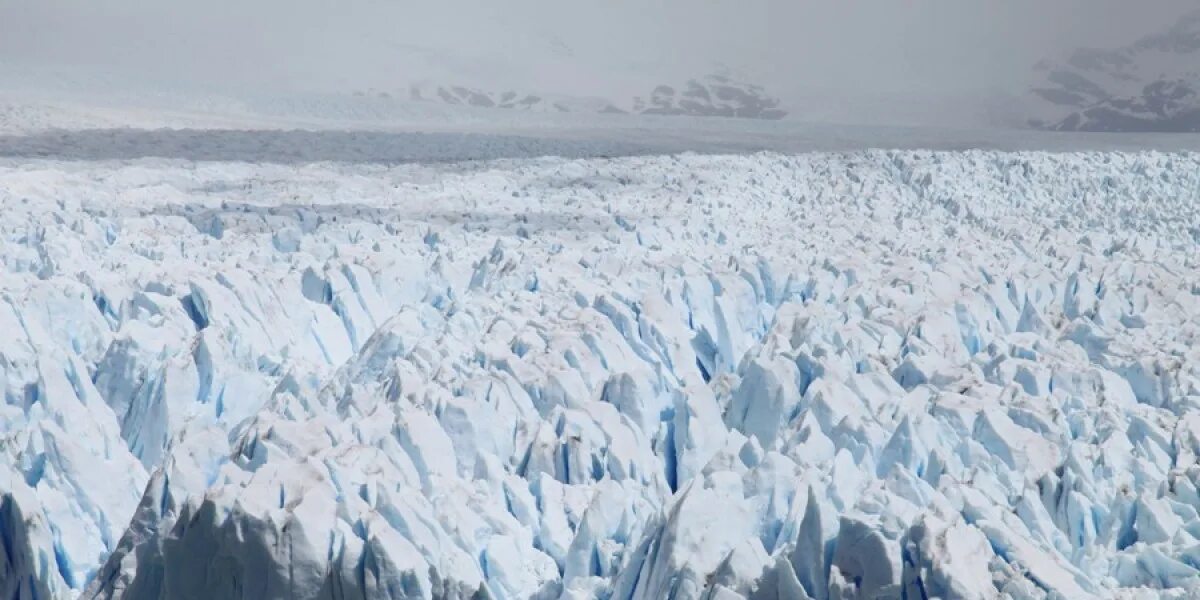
[(1151, 85), (714, 95)]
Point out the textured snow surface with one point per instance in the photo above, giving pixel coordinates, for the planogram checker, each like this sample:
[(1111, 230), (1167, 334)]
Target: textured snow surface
[(861, 375)]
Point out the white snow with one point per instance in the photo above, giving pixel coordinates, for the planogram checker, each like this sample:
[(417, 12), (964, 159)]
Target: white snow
[(875, 374)]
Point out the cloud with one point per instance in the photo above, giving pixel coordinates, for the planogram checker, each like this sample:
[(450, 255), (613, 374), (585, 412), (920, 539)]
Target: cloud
[(847, 47)]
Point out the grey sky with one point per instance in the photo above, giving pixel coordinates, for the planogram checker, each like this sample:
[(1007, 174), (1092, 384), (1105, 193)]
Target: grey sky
[(794, 46)]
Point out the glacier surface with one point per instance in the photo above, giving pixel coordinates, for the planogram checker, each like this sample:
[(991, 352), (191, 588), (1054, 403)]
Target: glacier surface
[(875, 374)]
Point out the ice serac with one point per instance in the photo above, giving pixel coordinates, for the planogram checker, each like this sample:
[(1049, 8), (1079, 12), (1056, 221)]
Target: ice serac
[(704, 377)]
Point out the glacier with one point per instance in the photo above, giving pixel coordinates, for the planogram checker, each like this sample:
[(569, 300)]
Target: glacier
[(868, 374)]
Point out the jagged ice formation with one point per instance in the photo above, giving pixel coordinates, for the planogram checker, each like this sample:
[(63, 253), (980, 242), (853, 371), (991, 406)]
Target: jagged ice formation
[(862, 375)]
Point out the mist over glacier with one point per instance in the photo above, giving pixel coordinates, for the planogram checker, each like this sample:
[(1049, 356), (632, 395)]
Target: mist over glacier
[(926, 62)]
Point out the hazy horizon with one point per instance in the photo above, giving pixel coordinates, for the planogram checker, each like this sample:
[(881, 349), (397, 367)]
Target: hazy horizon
[(921, 50)]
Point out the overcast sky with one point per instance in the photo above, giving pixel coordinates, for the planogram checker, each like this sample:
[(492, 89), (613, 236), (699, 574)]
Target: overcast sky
[(936, 47)]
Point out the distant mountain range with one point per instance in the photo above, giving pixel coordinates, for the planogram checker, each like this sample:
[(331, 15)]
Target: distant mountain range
[(709, 96), (1151, 85)]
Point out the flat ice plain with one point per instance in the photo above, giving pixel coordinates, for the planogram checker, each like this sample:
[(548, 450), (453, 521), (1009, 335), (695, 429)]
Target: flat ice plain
[(360, 362)]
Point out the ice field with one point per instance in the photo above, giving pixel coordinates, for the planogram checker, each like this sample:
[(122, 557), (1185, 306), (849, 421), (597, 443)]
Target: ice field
[(861, 374)]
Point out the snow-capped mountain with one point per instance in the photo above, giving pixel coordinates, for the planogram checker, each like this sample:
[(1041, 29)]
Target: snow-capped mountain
[(710, 96), (458, 95), (1151, 85)]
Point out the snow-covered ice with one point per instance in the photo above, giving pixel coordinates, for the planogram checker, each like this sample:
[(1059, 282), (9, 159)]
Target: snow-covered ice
[(874, 374)]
